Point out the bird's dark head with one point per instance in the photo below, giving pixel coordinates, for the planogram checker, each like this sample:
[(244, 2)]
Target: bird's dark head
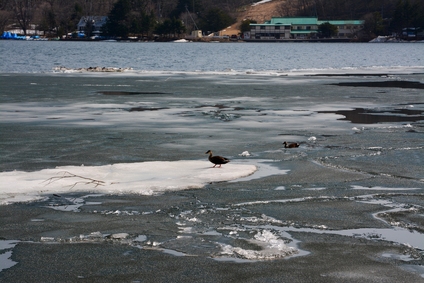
[(209, 151)]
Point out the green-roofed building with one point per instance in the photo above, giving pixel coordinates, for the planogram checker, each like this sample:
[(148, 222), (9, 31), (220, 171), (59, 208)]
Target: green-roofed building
[(299, 28)]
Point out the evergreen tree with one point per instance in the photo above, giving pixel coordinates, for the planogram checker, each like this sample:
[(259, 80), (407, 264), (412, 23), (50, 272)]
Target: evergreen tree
[(170, 28), (327, 30), (374, 24), (183, 6), (118, 24), (407, 15), (245, 25), (215, 20)]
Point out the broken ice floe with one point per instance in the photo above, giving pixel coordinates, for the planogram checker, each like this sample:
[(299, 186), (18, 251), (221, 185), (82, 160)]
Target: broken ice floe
[(272, 247)]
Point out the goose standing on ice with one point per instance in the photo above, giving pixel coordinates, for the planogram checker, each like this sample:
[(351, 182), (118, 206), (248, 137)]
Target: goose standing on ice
[(217, 160)]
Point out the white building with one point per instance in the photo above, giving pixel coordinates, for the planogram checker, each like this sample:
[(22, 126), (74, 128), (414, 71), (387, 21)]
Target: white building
[(300, 28)]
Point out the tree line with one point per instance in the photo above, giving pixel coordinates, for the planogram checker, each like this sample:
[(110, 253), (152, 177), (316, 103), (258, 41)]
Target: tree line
[(170, 18), (125, 17), (382, 17)]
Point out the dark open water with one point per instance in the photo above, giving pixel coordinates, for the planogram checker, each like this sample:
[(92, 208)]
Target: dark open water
[(346, 206)]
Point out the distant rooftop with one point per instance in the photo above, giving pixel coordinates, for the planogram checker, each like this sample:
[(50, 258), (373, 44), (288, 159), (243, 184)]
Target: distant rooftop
[(292, 21)]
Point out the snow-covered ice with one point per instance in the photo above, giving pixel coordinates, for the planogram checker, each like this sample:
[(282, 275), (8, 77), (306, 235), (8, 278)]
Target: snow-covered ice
[(145, 178)]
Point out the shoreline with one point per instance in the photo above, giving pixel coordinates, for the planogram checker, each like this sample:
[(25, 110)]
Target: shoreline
[(221, 40)]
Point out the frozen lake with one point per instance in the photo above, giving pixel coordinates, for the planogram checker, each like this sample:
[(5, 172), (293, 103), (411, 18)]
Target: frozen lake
[(111, 167)]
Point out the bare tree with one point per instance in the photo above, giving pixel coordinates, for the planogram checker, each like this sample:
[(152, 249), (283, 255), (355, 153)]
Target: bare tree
[(305, 8), (295, 8), (24, 12), (5, 15), (103, 7)]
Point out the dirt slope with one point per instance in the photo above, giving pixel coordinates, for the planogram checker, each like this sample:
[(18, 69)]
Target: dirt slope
[(260, 13)]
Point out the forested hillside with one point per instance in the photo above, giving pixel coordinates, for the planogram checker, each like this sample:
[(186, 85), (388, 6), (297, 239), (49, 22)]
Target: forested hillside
[(175, 17)]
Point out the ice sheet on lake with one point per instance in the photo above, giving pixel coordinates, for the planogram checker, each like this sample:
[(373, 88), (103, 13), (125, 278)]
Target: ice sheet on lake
[(146, 178), (354, 187), (6, 247)]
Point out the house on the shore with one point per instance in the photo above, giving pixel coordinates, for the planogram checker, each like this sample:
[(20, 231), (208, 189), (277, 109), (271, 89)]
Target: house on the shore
[(94, 23), (412, 33), (300, 28)]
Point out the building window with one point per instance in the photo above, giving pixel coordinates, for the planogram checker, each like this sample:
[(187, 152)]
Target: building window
[(308, 27), (262, 27), (277, 27)]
